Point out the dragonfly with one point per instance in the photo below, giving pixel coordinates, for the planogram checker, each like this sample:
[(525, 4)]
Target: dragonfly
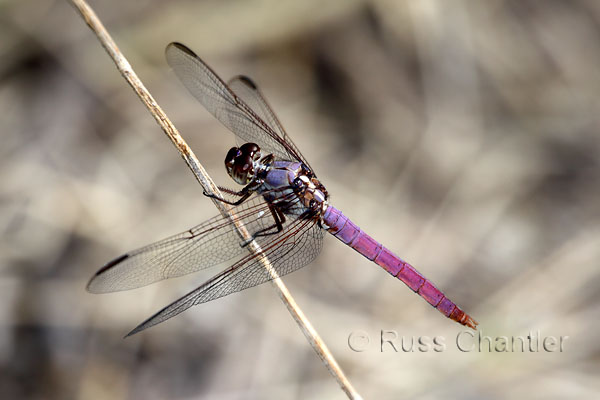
[(282, 204)]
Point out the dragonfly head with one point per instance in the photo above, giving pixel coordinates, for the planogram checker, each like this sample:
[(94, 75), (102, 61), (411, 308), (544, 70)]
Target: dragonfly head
[(242, 163)]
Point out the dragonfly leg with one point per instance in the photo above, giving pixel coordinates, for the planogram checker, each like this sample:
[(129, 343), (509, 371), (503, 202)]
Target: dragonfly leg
[(279, 218), (243, 194)]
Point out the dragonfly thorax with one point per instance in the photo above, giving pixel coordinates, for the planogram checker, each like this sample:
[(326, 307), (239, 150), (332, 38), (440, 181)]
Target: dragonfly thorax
[(246, 163), (311, 192)]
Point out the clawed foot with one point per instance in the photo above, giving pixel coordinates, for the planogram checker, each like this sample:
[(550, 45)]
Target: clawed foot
[(204, 192), (214, 196), (247, 242)]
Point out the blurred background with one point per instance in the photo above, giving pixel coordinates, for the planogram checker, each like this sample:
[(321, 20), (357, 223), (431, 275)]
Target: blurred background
[(462, 135)]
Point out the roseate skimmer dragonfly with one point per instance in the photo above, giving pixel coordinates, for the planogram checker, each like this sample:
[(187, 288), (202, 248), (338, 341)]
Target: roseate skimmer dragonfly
[(283, 205)]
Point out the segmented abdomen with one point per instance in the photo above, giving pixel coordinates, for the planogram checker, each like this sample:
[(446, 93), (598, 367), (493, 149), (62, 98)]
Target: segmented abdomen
[(345, 230)]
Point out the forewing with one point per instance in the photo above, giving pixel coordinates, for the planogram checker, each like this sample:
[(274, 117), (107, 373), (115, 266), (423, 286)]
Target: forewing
[(292, 249), (201, 247), (246, 89), (223, 103)]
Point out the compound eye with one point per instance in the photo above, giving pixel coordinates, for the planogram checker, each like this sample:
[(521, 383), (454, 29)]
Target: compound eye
[(231, 156), (245, 164), (250, 149), (243, 170)]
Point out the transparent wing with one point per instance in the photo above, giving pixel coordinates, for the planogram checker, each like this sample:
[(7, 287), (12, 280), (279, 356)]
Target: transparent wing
[(201, 247), (224, 104), (246, 89), (292, 249)]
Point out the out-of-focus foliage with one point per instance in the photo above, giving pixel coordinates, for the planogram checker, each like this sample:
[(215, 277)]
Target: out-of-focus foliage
[(463, 135)]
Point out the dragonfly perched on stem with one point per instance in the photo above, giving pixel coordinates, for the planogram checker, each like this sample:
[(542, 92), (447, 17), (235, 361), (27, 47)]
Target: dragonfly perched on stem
[(282, 204)]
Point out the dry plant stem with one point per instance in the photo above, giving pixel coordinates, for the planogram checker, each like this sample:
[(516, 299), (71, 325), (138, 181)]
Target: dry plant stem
[(209, 186)]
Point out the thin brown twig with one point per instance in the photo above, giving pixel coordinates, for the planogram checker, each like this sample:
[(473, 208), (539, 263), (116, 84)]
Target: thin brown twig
[(209, 186)]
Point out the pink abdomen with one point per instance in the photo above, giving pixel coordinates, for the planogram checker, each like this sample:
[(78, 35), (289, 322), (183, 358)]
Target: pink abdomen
[(345, 230)]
